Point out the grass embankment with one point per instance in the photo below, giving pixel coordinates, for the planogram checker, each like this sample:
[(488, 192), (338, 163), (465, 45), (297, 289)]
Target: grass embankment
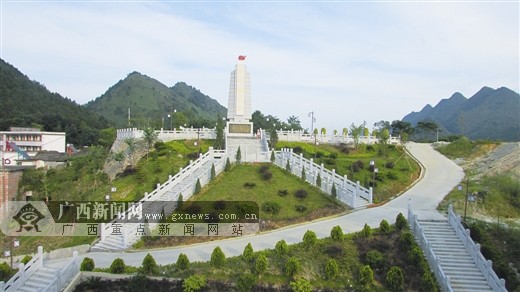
[(396, 170), (82, 180), (372, 260), (273, 189), (496, 196)]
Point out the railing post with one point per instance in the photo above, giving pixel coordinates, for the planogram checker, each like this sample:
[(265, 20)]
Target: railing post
[(40, 256), (2, 285), (370, 194), (75, 261), (357, 188)]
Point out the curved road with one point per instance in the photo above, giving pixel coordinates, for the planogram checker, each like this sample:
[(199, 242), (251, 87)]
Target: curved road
[(439, 176)]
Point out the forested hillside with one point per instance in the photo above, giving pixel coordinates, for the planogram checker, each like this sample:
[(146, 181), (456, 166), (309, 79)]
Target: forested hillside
[(27, 103)]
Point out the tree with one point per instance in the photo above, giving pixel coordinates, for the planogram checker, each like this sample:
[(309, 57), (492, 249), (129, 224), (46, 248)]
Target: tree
[(356, 132), (333, 191), (150, 136), (394, 279), (366, 275), (427, 126), (303, 173), (281, 247), (402, 129), (220, 142), (107, 137), (261, 264), (194, 283), (318, 181), (238, 157), (227, 167), (288, 166), (428, 284), (367, 231), (248, 253), (323, 131), (315, 132), (273, 140), (335, 132), (182, 262), (400, 222), (292, 266), (118, 266), (213, 173), (384, 227), (180, 202), (344, 132), (331, 269), (198, 187), (87, 265), (272, 156), (294, 123), (218, 258), (309, 239), (149, 265), (336, 233), (301, 285)]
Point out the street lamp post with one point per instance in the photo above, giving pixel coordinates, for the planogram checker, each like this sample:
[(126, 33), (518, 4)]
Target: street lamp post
[(9, 252), (171, 118), (466, 198)]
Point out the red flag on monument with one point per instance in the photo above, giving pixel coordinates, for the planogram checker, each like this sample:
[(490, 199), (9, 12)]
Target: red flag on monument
[(241, 58)]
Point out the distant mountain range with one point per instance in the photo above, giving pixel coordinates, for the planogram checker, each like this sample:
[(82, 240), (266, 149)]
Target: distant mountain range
[(27, 103), (150, 102), (492, 114)]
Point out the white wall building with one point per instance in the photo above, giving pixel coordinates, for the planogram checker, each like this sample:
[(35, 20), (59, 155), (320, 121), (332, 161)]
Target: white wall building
[(30, 140)]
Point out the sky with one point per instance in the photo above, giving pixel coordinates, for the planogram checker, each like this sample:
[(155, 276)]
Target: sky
[(346, 61)]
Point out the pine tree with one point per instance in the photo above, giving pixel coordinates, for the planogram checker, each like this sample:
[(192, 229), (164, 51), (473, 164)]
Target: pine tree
[(333, 191), (303, 173), (238, 157), (213, 172), (318, 181)]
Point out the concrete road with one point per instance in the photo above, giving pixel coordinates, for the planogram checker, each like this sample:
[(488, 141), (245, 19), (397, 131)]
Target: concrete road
[(439, 176)]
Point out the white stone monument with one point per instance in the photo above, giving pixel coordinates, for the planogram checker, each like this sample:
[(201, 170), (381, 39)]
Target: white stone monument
[(239, 103)]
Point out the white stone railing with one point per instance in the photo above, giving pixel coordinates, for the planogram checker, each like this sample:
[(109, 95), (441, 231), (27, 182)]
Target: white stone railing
[(347, 191), (217, 157), (433, 260), (63, 276), (485, 266), (169, 135), (24, 272), (300, 136)]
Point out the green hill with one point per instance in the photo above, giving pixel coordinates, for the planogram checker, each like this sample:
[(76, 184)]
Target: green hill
[(150, 102), (27, 103), (489, 114)]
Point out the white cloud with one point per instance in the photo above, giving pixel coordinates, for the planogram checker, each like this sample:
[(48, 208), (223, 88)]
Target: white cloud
[(349, 62)]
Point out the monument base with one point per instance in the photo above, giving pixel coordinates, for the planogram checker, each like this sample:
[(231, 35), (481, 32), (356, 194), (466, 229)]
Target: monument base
[(239, 129)]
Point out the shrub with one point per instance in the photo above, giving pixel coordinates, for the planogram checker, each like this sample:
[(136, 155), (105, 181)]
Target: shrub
[(249, 185), (261, 263), (301, 193), (345, 150), (428, 284), (288, 166), (318, 181), (118, 266), (26, 259), (416, 256), (331, 269), (5, 272), (367, 231), (301, 285), (248, 252), (333, 156), (218, 258), (333, 191), (407, 241), (335, 251), (394, 279), (267, 175), (389, 165), (271, 207), (384, 227), (263, 168), (297, 150), (358, 165), (198, 187), (400, 222), (182, 262), (283, 193), (391, 175), (219, 205), (300, 208), (309, 239), (227, 167), (336, 233), (375, 259), (366, 275), (149, 265), (281, 247), (273, 158), (303, 176), (246, 282), (238, 157), (213, 172), (194, 283), (292, 266), (87, 265)]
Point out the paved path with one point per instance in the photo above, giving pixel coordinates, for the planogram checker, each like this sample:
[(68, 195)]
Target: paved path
[(440, 175)]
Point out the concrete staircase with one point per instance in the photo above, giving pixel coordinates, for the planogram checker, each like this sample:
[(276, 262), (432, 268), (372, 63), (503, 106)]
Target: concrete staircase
[(455, 260), (252, 149), (183, 185), (40, 280)]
